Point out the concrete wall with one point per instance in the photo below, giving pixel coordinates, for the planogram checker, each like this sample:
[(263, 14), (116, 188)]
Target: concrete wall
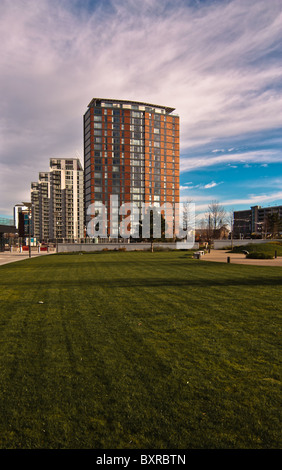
[(89, 247), (220, 244)]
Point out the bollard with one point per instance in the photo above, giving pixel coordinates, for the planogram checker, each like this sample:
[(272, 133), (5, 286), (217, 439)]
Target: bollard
[(275, 253), (228, 259)]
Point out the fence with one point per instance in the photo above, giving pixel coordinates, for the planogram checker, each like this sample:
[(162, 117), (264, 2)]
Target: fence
[(90, 247)]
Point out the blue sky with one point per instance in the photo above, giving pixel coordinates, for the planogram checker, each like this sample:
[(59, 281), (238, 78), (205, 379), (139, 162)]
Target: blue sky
[(217, 62)]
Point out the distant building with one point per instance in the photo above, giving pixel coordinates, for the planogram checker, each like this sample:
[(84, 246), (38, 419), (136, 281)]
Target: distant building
[(35, 221), (57, 209), (242, 223), (22, 220), (256, 221), (44, 209)]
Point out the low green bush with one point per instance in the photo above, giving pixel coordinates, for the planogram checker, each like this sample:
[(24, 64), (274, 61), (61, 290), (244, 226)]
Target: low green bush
[(257, 255), (267, 248)]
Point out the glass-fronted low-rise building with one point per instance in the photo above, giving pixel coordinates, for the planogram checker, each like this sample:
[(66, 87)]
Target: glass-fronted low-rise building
[(131, 150)]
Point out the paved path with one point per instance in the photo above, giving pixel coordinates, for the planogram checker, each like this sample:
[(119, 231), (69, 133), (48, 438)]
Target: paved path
[(239, 258), (8, 257)]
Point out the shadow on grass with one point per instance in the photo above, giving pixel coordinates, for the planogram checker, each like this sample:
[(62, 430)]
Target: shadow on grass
[(152, 282)]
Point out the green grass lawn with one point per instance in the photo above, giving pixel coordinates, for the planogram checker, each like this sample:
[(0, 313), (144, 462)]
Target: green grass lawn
[(139, 350)]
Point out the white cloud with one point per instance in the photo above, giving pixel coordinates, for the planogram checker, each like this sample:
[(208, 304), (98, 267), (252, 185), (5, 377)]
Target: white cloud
[(211, 185), (255, 199), (202, 202), (259, 156)]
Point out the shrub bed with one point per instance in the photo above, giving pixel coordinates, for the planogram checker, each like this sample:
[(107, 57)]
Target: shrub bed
[(257, 255)]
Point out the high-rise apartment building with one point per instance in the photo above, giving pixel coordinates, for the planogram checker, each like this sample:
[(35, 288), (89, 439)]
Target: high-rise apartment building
[(131, 150), (35, 220), (40, 200), (57, 201), (44, 192), (66, 209)]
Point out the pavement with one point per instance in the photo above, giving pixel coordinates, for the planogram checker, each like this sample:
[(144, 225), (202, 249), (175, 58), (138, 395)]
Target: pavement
[(221, 256), (8, 257)]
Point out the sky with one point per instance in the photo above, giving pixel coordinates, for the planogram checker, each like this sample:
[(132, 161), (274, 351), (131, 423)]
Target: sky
[(217, 62)]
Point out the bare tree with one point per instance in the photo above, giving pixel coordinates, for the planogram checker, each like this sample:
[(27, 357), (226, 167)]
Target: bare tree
[(217, 219), (272, 224)]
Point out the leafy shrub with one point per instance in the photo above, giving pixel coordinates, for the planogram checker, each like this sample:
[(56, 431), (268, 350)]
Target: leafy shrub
[(257, 255)]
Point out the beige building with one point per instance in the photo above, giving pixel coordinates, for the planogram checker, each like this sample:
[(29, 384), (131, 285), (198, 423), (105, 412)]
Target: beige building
[(57, 201), (35, 222), (44, 191), (66, 209)]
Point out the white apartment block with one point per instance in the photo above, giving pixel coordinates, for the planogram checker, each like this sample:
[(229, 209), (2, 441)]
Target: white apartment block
[(66, 208), (57, 201)]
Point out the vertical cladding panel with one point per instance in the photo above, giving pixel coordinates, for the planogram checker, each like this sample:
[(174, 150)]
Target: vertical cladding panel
[(147, 121), (162, 160), (176, 164), (126, 161)]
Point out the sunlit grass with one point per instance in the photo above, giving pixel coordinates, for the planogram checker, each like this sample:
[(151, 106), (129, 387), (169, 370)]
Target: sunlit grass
[(139, 350)]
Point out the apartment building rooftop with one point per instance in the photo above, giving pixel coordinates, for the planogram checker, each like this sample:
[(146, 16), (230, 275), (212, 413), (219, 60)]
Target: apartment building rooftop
[(124, 103)]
